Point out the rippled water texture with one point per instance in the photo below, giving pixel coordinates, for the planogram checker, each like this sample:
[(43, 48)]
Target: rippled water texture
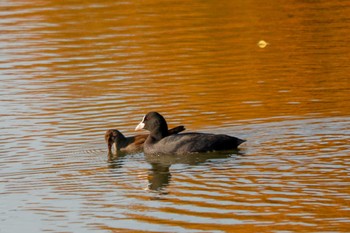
[(275, 73)]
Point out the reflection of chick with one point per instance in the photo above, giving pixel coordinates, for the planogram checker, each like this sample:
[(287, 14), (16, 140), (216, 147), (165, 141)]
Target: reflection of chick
[(130, 144)]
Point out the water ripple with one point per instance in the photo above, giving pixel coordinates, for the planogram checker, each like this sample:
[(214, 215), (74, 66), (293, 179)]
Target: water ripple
[(71, 70)]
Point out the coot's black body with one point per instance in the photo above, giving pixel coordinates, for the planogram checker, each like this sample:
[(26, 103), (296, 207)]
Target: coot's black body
[(133, 143), (160, 142)]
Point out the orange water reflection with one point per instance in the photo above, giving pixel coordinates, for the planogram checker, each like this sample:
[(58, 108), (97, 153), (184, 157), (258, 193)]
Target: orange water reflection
[(203, 62), (72, 69)]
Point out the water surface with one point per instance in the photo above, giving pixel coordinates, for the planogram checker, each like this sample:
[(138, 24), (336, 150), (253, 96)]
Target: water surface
[(71, 70)]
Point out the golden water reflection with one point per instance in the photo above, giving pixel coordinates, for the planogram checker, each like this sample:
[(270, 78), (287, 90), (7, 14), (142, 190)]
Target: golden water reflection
[(72, 69), (202, 61)]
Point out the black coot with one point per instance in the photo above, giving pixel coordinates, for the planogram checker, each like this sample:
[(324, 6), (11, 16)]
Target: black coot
[(133, 143), (160, 142)]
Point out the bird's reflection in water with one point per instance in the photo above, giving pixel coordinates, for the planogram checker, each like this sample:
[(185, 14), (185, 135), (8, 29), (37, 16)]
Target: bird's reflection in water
[(115, 161), (159, 177)]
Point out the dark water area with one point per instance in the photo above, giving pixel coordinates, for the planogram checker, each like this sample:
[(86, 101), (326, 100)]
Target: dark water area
[(273, 73)]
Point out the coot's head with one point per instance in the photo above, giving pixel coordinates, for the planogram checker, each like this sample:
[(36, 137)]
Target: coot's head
[(113, 136), (153, 122)]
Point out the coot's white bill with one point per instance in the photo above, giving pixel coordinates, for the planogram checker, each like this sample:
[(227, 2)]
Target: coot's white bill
[(141, 125)]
